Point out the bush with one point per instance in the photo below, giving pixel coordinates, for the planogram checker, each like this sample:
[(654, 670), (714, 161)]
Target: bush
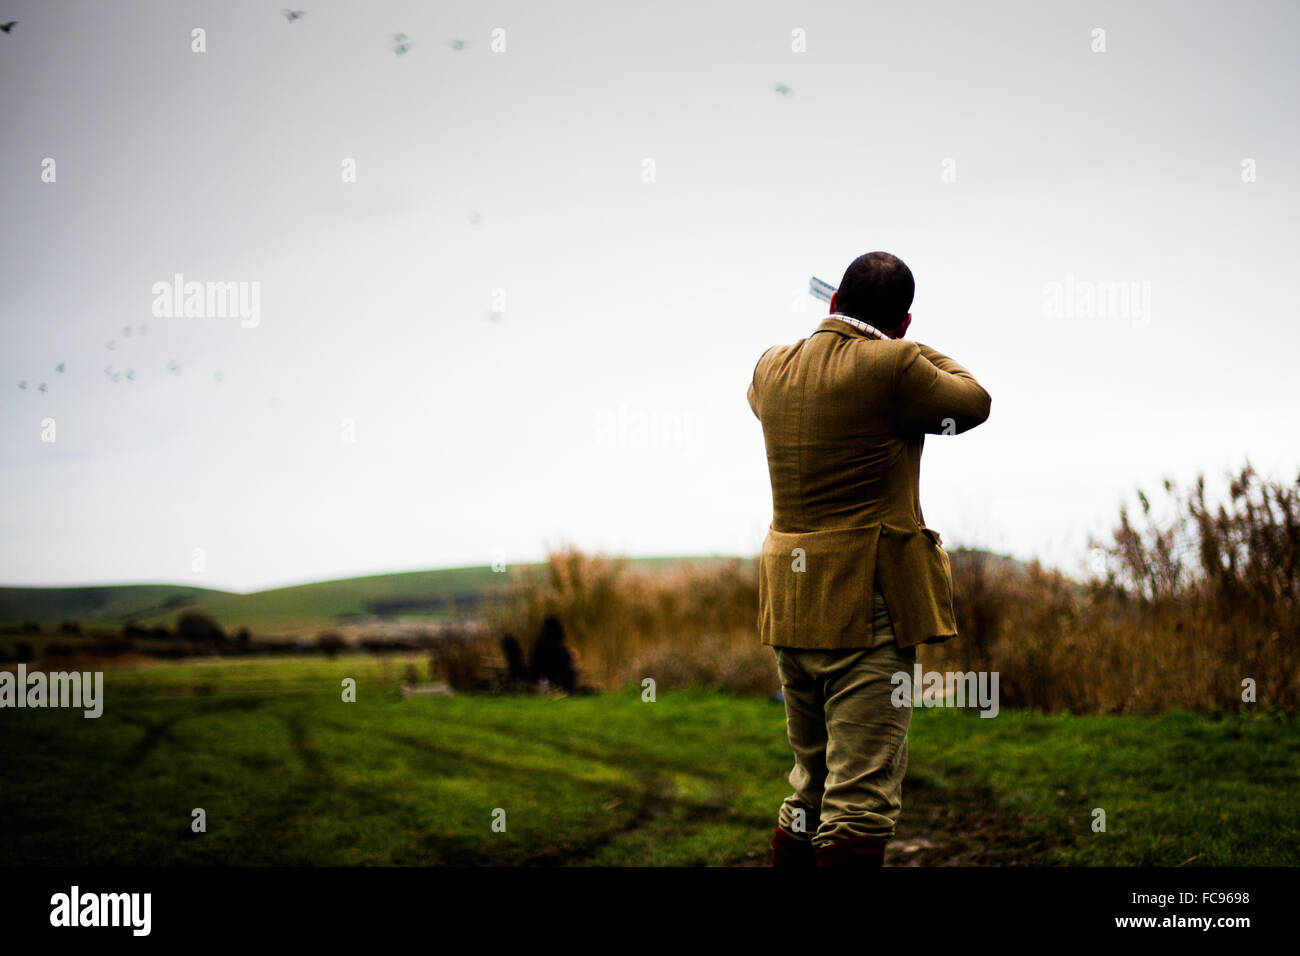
[(459, 660), (197, 626), (330, 644), (693, 621)]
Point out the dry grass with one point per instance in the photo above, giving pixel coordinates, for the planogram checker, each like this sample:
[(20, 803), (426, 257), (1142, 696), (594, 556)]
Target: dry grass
[(1185, 611), (687, 623)]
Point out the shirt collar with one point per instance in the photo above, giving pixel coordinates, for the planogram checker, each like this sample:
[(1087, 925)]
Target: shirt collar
[(832, 323)]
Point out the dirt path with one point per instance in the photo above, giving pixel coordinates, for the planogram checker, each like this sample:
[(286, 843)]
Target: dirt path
[(952, 823), (956, 823)]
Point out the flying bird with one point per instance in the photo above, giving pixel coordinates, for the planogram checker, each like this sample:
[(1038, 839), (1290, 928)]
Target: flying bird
[(126, 332), (59, 368), (400, 43), (458, 44), (112, 344), (292, 15), (174, 367), (41, 388), (23, 385), (783, 89), (6, 27), (130, 375)]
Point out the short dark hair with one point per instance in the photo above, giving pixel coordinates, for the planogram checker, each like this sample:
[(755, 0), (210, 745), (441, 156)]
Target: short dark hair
[(877, 288)]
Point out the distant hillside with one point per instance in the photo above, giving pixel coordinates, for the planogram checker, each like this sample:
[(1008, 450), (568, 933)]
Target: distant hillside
[(424, 594), (440, 594), (112, 604)]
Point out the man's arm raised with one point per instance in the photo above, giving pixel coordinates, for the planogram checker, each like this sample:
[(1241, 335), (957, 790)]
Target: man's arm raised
[(936, 395)]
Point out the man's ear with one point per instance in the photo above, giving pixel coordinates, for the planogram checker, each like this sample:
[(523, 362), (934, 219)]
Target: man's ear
[(899, 332), (834, 296)]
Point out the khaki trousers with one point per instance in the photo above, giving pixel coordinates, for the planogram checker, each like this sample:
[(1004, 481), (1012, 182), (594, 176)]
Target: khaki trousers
[(849, 740)]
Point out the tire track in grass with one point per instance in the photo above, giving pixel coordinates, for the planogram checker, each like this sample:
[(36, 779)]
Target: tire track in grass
[(455, 851), (658, 799), (155, 732)]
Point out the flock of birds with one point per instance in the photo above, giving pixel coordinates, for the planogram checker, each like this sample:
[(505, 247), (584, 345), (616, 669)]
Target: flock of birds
[(112, 372), (401, 42)]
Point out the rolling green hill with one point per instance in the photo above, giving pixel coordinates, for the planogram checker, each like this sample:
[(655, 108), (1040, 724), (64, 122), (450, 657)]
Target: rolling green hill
[(412, 594), (438, 594), (109, 604)]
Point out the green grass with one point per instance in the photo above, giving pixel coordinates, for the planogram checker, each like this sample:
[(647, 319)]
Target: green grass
[(289, 774), (1199, 789)]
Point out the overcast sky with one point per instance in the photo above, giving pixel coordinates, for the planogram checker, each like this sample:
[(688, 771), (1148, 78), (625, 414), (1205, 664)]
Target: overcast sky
[(540, 302)]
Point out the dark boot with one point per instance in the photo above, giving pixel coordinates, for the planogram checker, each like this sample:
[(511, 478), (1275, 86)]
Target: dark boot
[(858, 851), (789, 850)]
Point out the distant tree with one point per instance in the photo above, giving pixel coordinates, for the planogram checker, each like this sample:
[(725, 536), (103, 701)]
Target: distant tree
[(552, 661), (517, 668), (243, 636), (197, 626), (23, 652), (330, 643), (70, 627), (31, 627)]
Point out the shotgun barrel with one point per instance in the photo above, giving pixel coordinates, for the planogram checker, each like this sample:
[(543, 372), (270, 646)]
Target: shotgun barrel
[(820, 289)]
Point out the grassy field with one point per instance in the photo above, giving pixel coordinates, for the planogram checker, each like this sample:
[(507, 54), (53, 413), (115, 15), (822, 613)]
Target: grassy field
[(289, 774)]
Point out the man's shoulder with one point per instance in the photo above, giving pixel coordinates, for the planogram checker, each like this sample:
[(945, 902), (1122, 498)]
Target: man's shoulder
[(891, 351), (871, 354), (775, 353)]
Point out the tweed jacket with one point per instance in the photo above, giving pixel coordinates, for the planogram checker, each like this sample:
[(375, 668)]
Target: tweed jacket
[(844, 418)]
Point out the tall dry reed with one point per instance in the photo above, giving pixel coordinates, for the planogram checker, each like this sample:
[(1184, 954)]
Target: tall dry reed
[(1186, 611)]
